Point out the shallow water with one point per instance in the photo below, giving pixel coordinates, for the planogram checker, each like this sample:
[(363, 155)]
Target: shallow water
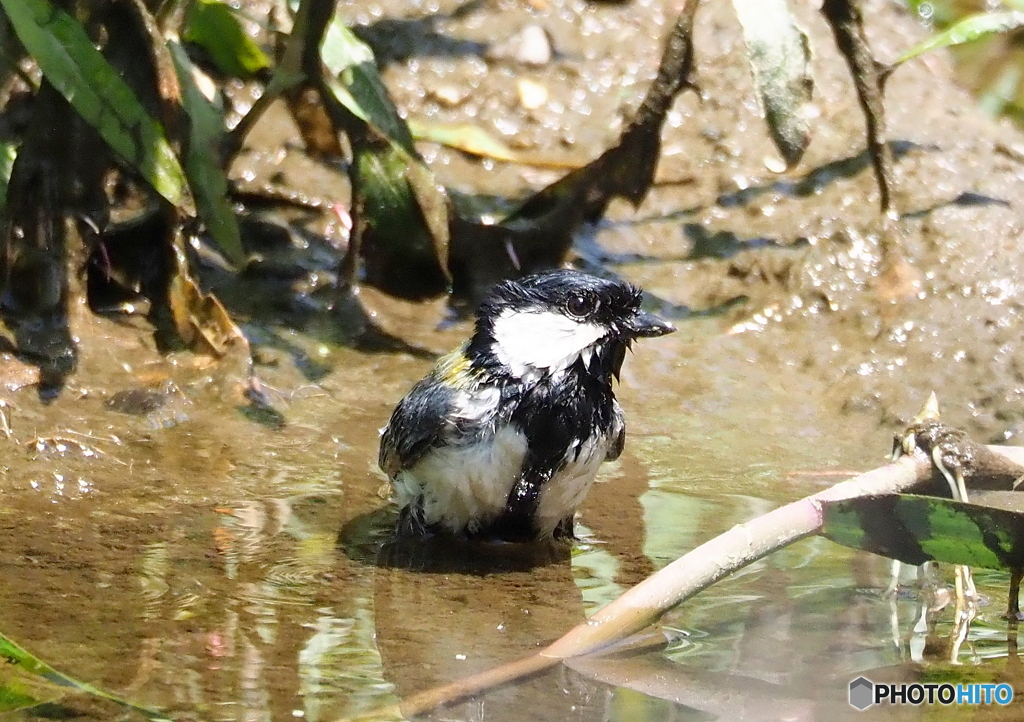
[(192, 559)]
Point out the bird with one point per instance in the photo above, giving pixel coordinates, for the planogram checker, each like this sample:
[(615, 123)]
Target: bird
[(503, 438)]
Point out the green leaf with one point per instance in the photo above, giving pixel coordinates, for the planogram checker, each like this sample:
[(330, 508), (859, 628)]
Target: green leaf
[(398, 203), (203, 162), (215, 26), (405, 237), (406, 210), (8, 152), (967, 30), (357, 84), (14, 697), (780, 58), (25, 680), (78, 71), (916, 529), (384, 179), (464, 137)]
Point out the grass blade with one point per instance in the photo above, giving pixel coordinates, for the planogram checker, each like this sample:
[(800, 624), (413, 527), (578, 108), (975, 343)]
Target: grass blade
[(967, 30), (203, 162)]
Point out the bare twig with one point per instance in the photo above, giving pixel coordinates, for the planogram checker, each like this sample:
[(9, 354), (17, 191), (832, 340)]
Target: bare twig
[(847, 23), (726, 553), (898, 279), (304, 40)]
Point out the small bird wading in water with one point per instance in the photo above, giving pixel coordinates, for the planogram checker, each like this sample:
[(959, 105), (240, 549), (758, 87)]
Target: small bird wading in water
[(503, 439)]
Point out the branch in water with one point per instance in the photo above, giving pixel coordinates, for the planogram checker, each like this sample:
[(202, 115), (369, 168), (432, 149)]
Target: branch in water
[(694, 572)]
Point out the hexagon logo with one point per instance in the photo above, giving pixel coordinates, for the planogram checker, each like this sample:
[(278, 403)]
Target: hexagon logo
[(862, 693)]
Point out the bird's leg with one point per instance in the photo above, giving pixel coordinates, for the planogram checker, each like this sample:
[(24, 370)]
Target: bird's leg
[(965, 610), (410, 521), (954, 477), (919, 632)]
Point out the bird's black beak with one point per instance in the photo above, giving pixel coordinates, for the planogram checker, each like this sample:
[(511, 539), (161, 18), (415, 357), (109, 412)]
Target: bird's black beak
[(647, 325)]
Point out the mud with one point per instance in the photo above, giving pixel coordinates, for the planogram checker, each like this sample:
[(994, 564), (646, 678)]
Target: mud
[(164, 538)]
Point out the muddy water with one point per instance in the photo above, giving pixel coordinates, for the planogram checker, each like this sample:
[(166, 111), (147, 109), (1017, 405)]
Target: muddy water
[(191, 558), (162, 540)]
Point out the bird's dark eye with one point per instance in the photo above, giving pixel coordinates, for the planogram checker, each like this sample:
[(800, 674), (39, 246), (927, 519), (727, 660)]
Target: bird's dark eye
[(581, 305)]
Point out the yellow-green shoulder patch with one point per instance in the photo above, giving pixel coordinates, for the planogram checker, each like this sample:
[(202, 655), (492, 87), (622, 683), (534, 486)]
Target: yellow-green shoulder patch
[(454, 369)]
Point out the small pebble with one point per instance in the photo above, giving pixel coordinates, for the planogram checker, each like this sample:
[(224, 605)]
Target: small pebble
[(775, 164), (534, 46), (530, 46), (449, 95), (137, 402), (532, 94)]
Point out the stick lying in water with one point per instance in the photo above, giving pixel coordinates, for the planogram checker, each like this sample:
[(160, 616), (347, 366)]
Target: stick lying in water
[(691, 573)]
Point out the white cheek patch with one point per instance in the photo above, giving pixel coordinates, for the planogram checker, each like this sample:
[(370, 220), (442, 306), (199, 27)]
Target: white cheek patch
[(526, 341)]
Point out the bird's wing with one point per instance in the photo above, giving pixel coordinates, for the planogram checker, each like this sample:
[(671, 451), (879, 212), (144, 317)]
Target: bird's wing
[(417, 425)]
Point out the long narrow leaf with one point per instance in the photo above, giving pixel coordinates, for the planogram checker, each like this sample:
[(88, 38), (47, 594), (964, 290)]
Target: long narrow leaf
[(406, 209), (81, 74), (967, 30), (358, 86), (17, 662), (467, 138), (203, 162)]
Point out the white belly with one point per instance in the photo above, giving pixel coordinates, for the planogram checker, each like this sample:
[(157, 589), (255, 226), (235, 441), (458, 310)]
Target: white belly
[(565, 491), (466, 486)]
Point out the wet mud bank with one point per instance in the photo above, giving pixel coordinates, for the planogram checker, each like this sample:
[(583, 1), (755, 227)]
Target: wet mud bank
[(801, 248)]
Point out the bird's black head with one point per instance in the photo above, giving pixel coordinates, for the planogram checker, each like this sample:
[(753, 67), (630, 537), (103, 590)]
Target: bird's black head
[(546, 324)]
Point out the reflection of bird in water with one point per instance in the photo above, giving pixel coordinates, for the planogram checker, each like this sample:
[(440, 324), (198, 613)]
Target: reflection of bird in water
[(503, 439), (435, 627)]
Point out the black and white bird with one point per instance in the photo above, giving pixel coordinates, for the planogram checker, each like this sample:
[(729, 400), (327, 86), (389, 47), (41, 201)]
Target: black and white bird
[(503, 439)]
